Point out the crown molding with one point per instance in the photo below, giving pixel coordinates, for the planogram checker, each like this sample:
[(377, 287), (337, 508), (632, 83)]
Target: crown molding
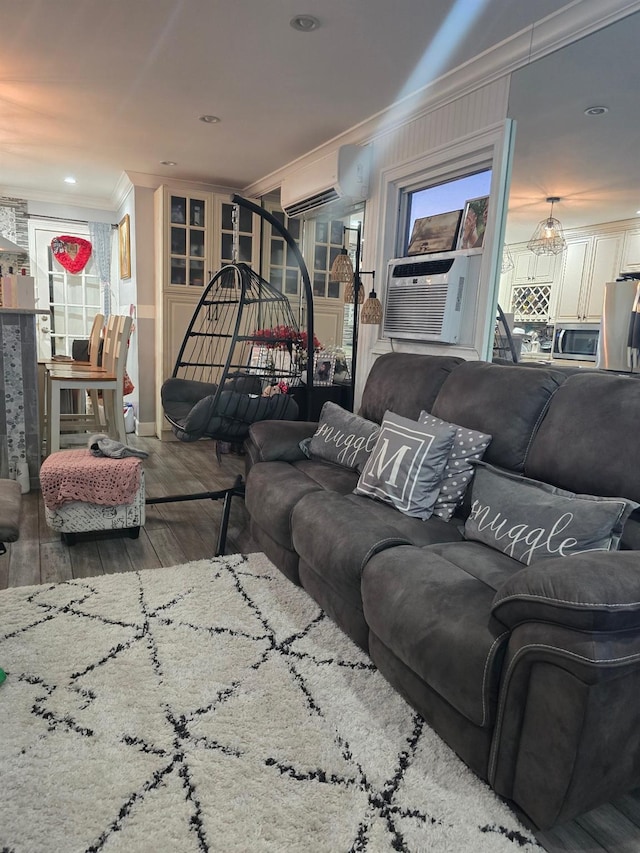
[(565, 26), (152, 182), (94, 202)]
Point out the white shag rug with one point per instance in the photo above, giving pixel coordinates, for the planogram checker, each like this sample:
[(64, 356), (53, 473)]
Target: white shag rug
[(213, 707)]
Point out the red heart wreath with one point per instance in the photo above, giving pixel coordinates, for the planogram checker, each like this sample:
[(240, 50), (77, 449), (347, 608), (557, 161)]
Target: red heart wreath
[(71, 252)]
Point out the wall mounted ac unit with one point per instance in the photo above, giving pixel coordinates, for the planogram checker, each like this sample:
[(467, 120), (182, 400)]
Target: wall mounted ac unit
[(424, 297), (342, 176)]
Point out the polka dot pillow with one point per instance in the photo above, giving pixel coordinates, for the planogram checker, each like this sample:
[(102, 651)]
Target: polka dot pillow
[(468, 446)]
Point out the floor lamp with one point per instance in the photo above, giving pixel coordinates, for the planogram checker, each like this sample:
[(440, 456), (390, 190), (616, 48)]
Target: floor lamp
[(342, 270)]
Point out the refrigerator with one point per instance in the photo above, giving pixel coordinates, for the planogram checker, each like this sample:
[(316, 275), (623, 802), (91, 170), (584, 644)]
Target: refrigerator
[(613, 346)]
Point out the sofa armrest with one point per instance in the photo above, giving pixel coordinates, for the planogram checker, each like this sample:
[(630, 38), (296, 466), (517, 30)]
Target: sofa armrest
[(271, 441), (595, 591)]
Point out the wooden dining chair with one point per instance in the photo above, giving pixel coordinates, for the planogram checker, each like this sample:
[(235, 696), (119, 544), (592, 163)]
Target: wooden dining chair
[(107, 379)]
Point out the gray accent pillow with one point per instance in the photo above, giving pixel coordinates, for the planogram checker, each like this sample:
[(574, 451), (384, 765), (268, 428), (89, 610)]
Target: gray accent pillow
[(532, 521), (468, 446), (342, 438), (406, 465)]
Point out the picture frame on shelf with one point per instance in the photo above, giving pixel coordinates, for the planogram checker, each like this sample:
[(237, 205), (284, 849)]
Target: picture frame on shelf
[(437, 233), (474, 223), (124, 246), (324, 366)]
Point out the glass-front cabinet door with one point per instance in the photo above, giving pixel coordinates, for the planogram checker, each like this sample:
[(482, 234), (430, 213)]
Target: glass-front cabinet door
[(245, 234), (188, 227)]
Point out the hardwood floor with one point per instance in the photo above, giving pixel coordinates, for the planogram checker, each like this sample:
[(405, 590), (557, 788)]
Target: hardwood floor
[(173, 533), (178, 532)]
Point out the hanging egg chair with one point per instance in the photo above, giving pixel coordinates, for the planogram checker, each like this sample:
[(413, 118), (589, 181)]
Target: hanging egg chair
[(242, 353)]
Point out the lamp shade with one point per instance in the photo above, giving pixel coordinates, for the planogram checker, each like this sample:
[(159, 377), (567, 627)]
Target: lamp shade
[(342, 268), (349, 292), (548, 238), (371, 313)]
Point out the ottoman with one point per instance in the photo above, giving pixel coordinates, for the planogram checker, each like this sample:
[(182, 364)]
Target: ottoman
[(84, 493)]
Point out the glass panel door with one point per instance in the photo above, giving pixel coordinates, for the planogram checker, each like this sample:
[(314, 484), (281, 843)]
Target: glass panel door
[(73, 300)]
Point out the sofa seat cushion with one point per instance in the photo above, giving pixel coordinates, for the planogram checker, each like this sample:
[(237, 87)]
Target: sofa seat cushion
[(335, 537), (431, 607), (274, 488), (414, 530), (506, 403)]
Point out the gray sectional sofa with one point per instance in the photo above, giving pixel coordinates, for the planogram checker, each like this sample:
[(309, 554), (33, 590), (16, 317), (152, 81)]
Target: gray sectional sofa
[(530, 672)]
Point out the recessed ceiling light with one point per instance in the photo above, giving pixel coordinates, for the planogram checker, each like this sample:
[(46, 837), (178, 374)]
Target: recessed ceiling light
[(596, 111), (168, 163), (304, 23), (69, 180), (210, 119)]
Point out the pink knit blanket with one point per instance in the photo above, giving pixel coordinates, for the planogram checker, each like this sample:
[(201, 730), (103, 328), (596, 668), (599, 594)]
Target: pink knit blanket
[(78, 475)]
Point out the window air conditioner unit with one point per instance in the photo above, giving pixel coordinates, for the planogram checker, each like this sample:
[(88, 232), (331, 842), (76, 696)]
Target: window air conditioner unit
[(339, 179), (424, 297)]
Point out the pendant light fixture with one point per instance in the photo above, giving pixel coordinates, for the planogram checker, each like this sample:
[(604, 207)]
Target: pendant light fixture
[(507, 260), (371, 314), (342, 268), (548, 238)]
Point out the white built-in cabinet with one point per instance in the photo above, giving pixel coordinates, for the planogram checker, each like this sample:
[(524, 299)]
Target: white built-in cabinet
[(529, 268), (569, 287), (588, 264), (194, 235), (631, 252)]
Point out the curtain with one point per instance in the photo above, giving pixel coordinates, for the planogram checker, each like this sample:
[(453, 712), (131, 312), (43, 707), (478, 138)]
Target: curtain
[(100, 235)]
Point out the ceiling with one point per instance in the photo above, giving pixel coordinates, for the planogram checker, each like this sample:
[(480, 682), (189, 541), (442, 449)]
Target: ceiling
[(590, 162), (91, 88)]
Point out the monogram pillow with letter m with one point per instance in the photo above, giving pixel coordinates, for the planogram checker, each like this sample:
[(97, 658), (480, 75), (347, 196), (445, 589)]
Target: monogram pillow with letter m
[(406, 464)]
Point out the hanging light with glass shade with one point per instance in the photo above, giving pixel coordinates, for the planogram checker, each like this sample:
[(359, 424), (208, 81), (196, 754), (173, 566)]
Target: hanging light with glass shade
[(507, 260), (548, 238)]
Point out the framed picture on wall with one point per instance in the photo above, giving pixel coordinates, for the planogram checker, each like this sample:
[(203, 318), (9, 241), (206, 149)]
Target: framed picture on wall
[(124, 246), (436, 233), (474, 223)]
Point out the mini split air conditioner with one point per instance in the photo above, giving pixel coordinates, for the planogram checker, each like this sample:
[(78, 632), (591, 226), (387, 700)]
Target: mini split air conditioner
[(424, 297), (339, 179)]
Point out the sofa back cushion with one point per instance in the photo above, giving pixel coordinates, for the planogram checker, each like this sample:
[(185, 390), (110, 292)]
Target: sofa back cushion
[(506, 402), (588, 440), (404, 383)]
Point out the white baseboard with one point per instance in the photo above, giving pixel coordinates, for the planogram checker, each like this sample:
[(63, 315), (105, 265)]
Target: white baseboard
[(145, 427)]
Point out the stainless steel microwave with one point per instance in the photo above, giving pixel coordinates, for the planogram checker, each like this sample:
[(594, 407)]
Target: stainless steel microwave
[(576, 341)]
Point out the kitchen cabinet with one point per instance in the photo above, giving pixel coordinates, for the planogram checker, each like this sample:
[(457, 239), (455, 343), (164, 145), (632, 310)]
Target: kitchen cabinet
[(525, 290), (631, 252), (529, 268), (193, 239), (587, 264)]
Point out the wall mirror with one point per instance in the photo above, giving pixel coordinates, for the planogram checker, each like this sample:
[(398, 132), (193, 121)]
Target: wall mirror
[(320, 237), (576, 139), (589, 161)]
